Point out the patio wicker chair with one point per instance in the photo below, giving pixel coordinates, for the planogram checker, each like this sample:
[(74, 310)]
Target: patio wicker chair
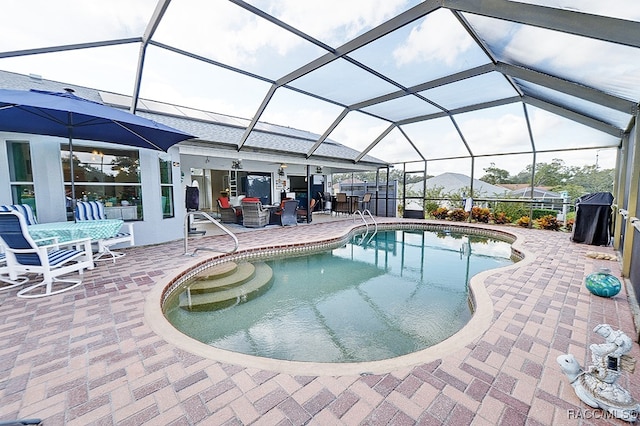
[(342, 203), (366, 201), (24, 255), (302, 212), (228, 213), (94, 210), (253, 214)]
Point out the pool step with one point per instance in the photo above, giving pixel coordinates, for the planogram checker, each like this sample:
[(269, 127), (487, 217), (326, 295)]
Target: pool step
[(246, 283), (231, 275), (218, 271)]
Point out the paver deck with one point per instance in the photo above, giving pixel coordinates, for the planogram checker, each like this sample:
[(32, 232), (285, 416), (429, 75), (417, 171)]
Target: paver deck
[(87, 357)]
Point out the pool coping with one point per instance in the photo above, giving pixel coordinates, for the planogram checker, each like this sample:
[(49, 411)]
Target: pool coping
[(472, 331)]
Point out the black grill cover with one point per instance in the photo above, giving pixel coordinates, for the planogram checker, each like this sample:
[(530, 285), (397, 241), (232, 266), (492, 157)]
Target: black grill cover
[(593, 219), (192, 198)]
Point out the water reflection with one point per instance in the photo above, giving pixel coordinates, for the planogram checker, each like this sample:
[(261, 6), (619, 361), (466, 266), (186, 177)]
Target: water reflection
[(400, 292)]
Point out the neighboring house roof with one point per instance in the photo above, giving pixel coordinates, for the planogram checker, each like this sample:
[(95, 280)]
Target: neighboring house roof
[(515, 186), (537, 193), (456, 182), (211, 129)]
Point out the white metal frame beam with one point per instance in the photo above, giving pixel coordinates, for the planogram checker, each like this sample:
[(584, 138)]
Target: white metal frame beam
[(568, 87), (574, 116), (604, 28), (149, 31)]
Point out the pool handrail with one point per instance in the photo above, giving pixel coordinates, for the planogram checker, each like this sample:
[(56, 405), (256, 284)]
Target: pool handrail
[(375, 231), (188, 219)]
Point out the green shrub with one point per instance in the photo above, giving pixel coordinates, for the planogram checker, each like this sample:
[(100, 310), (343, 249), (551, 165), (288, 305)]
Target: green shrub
[(480, 214), (568, 225), (524, 221), (501, 218), (512, 209), (549, 222), (441, 213), (458, 215), (539, 213), (431, 206), (431, 202)]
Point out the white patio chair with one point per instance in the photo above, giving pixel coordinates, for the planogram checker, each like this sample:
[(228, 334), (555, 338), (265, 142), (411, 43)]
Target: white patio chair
[(9, 279), (94, 210), (24, 255), (12, 280)]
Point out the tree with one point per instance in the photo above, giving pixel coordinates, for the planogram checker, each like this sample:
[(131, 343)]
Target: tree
[(495, 176), (593, 179), (573, 191), (394, 174), (547, 174)]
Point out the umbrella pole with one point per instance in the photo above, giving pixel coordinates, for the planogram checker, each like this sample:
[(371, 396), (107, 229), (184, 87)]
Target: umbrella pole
[(73, 178)]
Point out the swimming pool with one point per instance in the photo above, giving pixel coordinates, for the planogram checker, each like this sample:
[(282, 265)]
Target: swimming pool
[(371, 299)]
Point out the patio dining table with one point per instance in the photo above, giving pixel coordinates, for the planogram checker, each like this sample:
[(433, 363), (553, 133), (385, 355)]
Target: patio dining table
[(69, 231)]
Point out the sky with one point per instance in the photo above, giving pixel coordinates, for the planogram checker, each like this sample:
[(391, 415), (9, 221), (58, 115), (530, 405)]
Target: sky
[(429, 48)]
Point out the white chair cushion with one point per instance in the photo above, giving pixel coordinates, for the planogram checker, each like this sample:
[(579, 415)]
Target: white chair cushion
[(24, 209), (90, 210)]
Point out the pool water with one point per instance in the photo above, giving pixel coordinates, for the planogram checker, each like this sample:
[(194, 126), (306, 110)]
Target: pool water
[(373, 299)]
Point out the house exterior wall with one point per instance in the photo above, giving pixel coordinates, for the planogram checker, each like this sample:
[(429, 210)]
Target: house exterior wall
[(49, 187)]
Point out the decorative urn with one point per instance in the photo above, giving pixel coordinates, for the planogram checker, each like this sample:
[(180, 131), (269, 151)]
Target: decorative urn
[(602, 283)]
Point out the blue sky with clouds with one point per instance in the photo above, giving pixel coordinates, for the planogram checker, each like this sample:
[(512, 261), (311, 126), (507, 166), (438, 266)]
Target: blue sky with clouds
[(429, 48)]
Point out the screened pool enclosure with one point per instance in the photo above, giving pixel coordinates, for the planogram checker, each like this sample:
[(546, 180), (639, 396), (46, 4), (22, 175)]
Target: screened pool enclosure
[(440, 85)]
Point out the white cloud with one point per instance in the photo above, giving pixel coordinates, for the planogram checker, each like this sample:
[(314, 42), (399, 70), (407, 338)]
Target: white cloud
[(108, 68), (394, 148), (506, 132), (292, 109), (228, 33), (219, 30), (357, 130), (41, 23), (435, 38), (335, 21), (579, 54), (606, 66)]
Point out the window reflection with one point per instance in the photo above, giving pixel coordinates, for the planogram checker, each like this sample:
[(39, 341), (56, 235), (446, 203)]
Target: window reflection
[(111, 176), (166, 187), (21, 174), (101, 165)]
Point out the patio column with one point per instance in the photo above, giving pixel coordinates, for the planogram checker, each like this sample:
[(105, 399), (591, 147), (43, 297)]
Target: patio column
[(533, 185), (632, 204), (533, 163), (424, 188), (619, 188)]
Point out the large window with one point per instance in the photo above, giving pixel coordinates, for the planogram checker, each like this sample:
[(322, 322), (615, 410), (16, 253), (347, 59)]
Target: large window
[(21, 174), (166, 187), (111, 176), (256, 184)]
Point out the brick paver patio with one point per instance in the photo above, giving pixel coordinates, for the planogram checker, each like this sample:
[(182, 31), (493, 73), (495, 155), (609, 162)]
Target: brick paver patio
[(87, 357)]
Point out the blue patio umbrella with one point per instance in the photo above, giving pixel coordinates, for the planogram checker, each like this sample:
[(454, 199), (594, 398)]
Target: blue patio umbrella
[(66, 115)]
